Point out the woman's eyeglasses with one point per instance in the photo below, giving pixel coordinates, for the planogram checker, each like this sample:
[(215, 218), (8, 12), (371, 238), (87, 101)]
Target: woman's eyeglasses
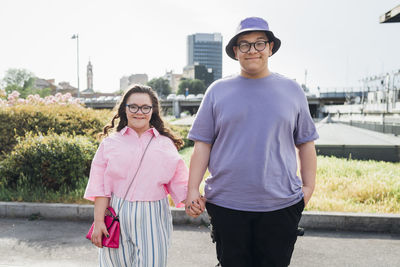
[(135, 108)]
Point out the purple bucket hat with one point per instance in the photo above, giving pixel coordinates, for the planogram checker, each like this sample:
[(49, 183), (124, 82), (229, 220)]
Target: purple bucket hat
[(250, 25)]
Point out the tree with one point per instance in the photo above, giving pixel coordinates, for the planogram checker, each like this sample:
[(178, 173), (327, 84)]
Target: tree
[(203, 74), (194, 86), (161, 86), (20, 80), (42, 92)]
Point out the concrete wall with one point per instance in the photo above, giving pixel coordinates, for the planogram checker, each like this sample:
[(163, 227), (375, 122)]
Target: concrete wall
[(362, 152)]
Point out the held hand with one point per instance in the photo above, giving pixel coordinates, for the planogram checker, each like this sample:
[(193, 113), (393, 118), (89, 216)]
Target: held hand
[(99, 230), (198, 206), (194, 204)]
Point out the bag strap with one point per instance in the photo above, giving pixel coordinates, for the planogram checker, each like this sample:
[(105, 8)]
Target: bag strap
[(137, 170)]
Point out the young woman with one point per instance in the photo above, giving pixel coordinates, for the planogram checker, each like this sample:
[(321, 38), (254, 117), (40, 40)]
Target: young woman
[(145, 218)]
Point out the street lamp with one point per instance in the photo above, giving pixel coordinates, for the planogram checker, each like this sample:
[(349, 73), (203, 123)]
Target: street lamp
[(75, 36)]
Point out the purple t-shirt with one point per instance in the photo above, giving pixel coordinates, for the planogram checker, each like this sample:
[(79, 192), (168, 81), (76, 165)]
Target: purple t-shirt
[(253, 126)]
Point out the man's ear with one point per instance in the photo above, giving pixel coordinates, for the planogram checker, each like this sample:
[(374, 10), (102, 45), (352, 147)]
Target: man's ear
[(235, 51), (271, 45)]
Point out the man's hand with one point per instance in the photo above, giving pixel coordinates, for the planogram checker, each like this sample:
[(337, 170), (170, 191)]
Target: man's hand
[(194, 204), (307, 194), (308, 168)]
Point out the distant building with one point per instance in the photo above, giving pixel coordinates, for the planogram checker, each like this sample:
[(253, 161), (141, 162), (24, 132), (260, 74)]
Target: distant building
[(173, 79), (89, 76), (188, 72), (391, 16), (61, 87), (43, 83), (65, 87), (125, 81), (204, 74), (200, 72), (205, 49)]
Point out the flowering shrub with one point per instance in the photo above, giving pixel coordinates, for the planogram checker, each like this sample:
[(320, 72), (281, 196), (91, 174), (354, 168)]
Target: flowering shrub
[(47, 142), (59, 113), (60, 99)]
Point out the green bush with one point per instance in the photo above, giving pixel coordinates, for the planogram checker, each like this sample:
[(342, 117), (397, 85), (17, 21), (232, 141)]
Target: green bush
[(182, 131), (16, 121), (54, 162)]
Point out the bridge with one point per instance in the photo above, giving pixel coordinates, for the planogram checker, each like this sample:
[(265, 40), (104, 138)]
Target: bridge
[(177, 106), (174, 107)]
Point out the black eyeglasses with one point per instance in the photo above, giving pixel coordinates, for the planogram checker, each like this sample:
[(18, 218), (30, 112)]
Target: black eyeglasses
[(259, 46), (135, 108)]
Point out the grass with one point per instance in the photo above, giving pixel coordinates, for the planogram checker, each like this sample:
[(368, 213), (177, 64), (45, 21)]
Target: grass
[(356, 186), (186, 154), (351, 185), (342, 185)]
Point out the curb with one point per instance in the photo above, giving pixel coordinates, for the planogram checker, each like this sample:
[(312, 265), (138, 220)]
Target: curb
[(337, 221), (349, 221)]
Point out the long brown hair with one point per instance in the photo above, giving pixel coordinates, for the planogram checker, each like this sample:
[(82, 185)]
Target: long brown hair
[(155, 121)]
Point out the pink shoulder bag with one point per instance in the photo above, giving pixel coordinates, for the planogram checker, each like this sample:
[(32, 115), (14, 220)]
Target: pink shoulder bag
[(111, 219)]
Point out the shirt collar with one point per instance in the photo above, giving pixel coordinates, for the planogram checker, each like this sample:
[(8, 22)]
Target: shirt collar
[(152, 130)]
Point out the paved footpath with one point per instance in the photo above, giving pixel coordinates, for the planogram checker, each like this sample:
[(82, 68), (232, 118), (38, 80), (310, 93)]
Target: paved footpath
[(61, 243)]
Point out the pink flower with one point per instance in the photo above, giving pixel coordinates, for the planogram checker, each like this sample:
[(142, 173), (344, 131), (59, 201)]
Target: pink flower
[(58, 99), (15, 94)]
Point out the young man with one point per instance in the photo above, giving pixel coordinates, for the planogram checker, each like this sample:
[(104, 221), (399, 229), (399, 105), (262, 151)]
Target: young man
[(246, 132)]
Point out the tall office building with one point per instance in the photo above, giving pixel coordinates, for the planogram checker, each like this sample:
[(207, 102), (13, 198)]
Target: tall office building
[(205, 49)]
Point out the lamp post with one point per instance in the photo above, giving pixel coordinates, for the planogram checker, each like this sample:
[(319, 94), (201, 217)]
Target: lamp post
[(75, 36)]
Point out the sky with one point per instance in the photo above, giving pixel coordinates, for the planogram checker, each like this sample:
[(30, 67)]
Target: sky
[(336, 42)]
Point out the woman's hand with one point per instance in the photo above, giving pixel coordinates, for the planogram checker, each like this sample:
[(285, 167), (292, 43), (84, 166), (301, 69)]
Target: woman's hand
[(99, 230), (194, 204)]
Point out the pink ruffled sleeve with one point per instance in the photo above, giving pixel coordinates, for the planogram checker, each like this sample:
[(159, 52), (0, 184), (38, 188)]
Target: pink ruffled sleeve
[(95, 186), (177, 187)]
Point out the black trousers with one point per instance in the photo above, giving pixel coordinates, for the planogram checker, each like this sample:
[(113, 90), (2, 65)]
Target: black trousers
[(254, 239)]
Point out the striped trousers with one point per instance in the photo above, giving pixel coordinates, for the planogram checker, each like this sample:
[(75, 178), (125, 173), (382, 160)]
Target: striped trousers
[(146, 228)]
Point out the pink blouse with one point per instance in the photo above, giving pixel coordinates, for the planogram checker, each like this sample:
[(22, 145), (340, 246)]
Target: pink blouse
[(162, 171)]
